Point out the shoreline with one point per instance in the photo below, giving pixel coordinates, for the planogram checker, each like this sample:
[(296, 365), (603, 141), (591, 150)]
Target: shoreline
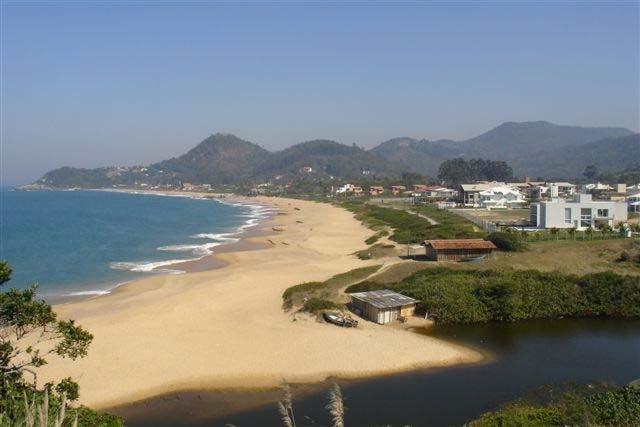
[(201, 330), (239, 239)]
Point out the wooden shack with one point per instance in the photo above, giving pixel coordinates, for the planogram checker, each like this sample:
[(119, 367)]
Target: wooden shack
[(457, 249), (383, 306)]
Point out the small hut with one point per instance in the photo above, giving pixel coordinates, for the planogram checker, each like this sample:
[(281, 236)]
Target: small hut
[(457, 249), (383, 306)]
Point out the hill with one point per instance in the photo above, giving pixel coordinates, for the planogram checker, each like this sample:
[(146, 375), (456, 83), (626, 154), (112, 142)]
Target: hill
[(608, 155), (529, 147), (330, 158)]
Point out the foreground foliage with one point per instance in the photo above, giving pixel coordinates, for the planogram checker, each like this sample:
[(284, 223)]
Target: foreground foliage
[(30, 333), (470, 296), (618, 406)]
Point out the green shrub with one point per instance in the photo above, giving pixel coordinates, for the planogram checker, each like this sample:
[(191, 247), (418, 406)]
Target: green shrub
[(364, 287), (581, 406), (89, 418), (313, 305), (303, 287), (371, 240), (508, 242), (470, 296), (519, 414), (615, 407)]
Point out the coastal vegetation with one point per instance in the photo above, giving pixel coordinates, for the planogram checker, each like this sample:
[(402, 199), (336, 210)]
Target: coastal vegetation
[(413, 226), (508, 242), (31, 333), (315, 296), (470, 296), (602, 406)]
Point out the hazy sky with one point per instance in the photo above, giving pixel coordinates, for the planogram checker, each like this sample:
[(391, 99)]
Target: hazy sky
[(92, 84)]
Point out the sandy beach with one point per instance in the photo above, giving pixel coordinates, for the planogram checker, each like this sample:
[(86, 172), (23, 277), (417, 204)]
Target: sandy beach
[(225, 327)]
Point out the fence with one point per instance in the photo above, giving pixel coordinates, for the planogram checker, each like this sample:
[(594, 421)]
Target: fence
[(486, 225)]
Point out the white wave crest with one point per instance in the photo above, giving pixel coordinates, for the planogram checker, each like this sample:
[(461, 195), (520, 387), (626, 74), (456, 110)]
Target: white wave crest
[(149, 267)]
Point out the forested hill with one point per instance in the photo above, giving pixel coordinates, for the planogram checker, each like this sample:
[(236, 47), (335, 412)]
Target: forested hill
[(530, 148)]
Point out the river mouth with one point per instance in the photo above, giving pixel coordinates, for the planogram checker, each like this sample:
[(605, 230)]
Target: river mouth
[(526, 357)]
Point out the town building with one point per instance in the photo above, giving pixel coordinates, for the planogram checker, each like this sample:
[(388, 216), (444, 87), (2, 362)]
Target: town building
[(561, 189), (633, 202), (376, 190), (457, 249), (469, 194), (582, 212), (383, 306), (501, 197), (397, 190)]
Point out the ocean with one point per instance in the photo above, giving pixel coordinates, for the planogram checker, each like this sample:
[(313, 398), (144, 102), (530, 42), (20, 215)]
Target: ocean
[(82, 243)]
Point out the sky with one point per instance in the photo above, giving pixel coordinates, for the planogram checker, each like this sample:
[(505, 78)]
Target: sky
[(123, 83)]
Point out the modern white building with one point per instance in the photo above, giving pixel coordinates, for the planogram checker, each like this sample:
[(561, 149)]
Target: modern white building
[(633, 201), (501, 197), (582, 212)]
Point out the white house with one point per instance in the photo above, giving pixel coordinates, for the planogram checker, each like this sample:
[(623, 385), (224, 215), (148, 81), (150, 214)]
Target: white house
[(633, 202), (469, 194), (582, 212), (561, 189), (347, 188), (501, 197), (598, 186)]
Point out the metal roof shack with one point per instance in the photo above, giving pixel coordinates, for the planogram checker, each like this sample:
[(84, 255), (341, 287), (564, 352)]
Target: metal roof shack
[(457, 249), (383, 306)]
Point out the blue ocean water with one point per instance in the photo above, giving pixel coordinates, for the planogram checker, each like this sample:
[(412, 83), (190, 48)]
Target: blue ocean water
[(86, 242)]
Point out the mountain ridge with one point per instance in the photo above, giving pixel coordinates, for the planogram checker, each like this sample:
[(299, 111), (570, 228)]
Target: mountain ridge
[(531, 148)]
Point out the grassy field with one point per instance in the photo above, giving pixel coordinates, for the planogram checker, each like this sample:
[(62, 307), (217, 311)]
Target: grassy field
[(569, 257), (407, 227), (499, 215)]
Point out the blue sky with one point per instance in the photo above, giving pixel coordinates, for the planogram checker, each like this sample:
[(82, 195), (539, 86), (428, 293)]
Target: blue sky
[(93, 84)]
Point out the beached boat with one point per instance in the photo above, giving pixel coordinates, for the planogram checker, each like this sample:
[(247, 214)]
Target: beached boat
[(338, 319)]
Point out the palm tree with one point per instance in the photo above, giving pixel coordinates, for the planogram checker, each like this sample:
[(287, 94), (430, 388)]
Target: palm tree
[(572, 232)]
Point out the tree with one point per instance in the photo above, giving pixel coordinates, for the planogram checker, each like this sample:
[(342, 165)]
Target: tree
[(590, 172), (29, 333), (457, 171)]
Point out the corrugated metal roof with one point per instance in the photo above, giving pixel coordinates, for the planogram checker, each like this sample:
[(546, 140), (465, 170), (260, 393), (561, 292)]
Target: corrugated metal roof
[(384, 298), (460, 244)]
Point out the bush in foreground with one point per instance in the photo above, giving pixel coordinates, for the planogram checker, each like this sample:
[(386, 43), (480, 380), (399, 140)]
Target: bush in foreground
[(31, 334), (609, 407)]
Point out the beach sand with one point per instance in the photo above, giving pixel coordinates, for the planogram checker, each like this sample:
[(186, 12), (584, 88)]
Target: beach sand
[(225, 328)]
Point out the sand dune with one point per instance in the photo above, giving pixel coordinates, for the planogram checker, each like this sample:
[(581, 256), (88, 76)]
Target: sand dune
[(225, 327)]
